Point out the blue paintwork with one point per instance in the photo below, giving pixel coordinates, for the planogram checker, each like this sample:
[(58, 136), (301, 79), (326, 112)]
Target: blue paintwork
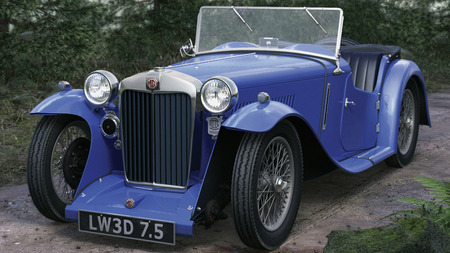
[(251, 70), (258, 117), (66, 102), (102, 156), (358, 122), (297, 86), (109, 195), (396, 79)]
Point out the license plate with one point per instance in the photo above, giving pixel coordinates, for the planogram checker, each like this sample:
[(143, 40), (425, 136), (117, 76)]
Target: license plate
[(127, 227)]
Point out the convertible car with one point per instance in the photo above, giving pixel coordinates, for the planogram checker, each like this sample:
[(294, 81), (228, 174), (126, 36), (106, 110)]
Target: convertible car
[(267, 98)]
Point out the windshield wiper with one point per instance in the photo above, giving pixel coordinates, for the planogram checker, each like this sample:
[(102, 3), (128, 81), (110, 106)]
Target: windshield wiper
[(317, 23), (242, 19)]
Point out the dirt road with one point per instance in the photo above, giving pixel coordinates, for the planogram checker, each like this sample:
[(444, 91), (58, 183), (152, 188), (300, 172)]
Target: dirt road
[(335, 201)]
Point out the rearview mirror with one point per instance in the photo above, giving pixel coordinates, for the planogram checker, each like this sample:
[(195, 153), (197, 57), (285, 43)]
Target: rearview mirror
[(187, 49)]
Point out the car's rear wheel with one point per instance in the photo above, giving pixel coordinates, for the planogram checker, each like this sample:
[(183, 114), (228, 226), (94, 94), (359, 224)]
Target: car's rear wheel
[(408, 129), (266, 186), (57, 157)]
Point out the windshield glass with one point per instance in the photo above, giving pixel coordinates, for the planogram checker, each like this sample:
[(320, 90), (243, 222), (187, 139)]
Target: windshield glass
[(264, 28)]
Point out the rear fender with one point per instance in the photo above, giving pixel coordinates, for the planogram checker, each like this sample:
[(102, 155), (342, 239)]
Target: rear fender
[(103, 157), (397, 77), (257, 117)]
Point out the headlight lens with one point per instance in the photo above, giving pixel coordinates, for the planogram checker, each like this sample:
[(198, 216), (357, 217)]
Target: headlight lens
[(100, 87), (218, 94)]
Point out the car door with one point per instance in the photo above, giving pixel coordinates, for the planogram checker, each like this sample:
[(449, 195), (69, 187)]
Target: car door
[(359, 118)]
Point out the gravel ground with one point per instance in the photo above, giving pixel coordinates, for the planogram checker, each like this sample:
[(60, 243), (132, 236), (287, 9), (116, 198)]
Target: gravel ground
[(335, 201)]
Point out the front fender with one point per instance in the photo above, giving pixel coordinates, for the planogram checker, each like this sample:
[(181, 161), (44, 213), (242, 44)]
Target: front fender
[(103, 157), (397, 77), (257, 117), (65, 102)]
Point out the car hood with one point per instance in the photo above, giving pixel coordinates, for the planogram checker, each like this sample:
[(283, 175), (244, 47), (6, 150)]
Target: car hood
[(253, 69)]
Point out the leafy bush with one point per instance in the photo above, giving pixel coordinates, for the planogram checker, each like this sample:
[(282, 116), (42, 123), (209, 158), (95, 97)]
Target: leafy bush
[(408, 235), (56, 39), (437, 209), (49, 40)]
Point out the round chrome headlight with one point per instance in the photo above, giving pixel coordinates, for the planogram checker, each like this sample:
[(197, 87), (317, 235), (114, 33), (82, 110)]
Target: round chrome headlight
[(100, 87), (217, 94)]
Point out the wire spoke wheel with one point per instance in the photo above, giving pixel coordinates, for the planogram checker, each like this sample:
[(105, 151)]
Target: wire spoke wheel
[(407, 121), (275, 184), (266, 186), (58, 154), (408, 127), (71, 134)]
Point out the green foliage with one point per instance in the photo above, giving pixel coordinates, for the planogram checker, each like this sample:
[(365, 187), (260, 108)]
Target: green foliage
[(408, 235), (437, 209), (146, 34), (58, 39), (48, 40)]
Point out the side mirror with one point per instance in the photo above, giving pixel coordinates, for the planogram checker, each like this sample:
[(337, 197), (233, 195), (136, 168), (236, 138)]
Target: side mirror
[(187, 49)]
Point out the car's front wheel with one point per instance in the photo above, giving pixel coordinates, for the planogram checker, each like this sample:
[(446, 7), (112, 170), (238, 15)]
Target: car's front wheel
[(408, 129), (58, 153), (266, 186)]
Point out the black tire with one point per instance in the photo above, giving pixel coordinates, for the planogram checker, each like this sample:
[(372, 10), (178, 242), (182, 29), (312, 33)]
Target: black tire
[(408, 127), (249, 175), (58, 152)]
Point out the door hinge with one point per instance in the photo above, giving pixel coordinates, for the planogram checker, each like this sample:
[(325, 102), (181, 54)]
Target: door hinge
[(378, 105), (378, 127)]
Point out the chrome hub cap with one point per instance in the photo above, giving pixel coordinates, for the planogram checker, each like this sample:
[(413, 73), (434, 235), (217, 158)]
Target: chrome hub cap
[(280, 184), (275, 184)]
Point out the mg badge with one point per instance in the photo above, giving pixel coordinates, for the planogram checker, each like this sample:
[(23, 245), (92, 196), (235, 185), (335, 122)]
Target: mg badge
[(129, 203), (152, 83)]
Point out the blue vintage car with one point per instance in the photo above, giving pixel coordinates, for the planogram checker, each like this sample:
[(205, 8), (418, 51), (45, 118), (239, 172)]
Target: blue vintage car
[(268, 97)]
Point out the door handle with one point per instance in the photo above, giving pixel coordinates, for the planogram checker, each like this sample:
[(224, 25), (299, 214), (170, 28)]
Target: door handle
[(349, 102)]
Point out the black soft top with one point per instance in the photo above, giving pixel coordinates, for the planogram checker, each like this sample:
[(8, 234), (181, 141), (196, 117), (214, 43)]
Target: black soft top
[(393, 52)]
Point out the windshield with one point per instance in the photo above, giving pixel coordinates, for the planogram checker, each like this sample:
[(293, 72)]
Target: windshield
[(264, 28)]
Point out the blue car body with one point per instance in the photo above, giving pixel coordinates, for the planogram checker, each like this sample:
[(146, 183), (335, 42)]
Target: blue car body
[(340, 125)]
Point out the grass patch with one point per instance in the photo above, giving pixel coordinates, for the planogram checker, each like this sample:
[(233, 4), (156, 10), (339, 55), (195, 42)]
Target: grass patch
[(436, 74), (408, 235), (425, 228), (17, 127)]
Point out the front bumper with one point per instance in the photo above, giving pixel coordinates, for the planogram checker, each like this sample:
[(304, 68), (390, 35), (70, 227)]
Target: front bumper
[(109, 195)]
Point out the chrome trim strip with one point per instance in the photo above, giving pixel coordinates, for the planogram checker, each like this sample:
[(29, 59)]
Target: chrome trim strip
[(339, 36), (170, 80), (154, 185), (253, 49), (327, 99), (379, 153), (211, 60)]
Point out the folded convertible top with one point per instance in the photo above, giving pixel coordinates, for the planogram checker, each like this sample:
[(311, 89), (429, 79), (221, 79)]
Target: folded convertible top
[(393, 52)]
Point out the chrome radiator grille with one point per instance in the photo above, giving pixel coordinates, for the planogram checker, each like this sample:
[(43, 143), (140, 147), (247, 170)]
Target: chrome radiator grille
[(156, 136)]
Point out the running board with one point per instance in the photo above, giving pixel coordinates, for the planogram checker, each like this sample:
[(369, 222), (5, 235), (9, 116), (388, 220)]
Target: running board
[(366, 159)]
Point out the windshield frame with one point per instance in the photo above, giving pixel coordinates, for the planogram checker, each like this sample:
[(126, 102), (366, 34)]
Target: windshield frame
[(306, 9)]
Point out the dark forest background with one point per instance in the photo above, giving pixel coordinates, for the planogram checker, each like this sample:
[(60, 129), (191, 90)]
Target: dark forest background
[(45, 41)]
